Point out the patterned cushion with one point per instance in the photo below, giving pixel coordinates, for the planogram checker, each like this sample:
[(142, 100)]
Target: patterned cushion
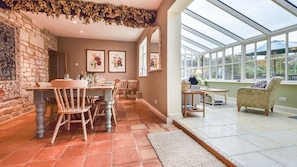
[(202, 81), (260, 84)]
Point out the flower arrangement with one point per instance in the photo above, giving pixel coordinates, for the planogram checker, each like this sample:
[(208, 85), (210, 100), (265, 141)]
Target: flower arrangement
[(86, 11)]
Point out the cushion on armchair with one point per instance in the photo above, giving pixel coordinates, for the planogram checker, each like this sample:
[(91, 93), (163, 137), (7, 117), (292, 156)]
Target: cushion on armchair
[(260, 84)]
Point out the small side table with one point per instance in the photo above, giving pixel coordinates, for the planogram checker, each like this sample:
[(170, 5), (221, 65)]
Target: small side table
[(192, 108)]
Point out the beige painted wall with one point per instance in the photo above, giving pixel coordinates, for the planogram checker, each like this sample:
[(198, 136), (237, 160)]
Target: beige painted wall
[(154, 86), (75, 50)]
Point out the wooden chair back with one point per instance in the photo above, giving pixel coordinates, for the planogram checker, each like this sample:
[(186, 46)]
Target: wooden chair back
[(70, 94)]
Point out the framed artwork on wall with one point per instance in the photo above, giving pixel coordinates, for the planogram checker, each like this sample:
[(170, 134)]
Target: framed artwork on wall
[(116, 61), (154, 61), (95, 61)]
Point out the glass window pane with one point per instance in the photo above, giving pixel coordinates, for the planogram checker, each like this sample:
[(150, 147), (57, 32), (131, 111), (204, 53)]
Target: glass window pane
[(195, 60), (237, 71), (237, 54), (213, 71), (250, 52), (277, 67), (249, 70), (205, 29), (213, 60), (206, 59), (188, 61), (292, 57), (228, 55), (264, 12), (228, 72), (278, 46), (201, 57), (205, 72), (292, 67), (223, 19), (292, 43), (261, 49), (142, 64), (220, 58), (219, 72), (261, 59), (261, 69)]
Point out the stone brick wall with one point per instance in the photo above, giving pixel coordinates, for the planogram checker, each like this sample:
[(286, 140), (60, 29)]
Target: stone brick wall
[(33, 44)]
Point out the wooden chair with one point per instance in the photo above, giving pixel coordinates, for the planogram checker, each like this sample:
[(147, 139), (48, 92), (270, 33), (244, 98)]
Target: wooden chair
[(131, 88), (71, 99), (100, 104), (123, 88)]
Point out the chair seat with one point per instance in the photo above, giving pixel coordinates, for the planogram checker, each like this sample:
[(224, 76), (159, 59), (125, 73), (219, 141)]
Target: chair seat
[(75, 110)]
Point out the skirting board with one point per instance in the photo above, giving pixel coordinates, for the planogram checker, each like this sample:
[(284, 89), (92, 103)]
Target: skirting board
[(155, 111)]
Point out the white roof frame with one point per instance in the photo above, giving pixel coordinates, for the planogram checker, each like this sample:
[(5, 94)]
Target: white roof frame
[(195, 43), (190, 49), (213, 25), (287, 6), (199, 34), (240, 16)]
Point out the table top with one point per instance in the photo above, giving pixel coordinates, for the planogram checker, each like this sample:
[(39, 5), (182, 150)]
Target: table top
[(213, 90), (192, 92), (102, 86)]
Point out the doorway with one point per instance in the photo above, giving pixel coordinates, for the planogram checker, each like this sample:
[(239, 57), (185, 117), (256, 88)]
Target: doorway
[(57, 65)]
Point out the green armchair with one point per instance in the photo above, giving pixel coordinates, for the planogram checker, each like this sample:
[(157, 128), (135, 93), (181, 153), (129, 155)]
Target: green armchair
[(258, 97)]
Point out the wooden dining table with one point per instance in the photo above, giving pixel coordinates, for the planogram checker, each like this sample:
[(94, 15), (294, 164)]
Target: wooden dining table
[(41, 93)]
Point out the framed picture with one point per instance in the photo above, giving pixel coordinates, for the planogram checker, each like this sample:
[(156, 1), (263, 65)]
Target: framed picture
[(95, 61), (117, 61), (154, 61)]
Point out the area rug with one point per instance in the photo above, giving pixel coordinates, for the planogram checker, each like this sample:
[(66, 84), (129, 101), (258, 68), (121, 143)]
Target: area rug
[(218, 106), (176, 149), (294, 117)]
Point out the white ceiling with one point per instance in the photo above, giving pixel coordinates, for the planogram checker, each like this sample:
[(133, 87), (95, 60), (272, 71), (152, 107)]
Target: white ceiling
[(63, 27)]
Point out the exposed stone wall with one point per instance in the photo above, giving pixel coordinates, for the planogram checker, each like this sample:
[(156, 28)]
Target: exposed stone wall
[(31, 64)]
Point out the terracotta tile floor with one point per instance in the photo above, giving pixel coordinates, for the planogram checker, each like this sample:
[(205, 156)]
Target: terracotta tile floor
[(126, 146)]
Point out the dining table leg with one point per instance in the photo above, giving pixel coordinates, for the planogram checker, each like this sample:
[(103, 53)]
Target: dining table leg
[(39, 101), (40, 120), (108, 101), (108, 117)]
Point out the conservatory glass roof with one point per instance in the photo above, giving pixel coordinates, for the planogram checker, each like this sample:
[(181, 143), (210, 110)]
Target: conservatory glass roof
[(211, 24)]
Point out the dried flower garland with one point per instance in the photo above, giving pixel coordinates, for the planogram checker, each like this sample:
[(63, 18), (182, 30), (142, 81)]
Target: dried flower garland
[(86, 11)]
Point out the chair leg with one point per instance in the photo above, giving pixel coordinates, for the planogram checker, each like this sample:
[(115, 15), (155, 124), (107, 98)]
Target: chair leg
[(83, 124), (238, 108), (91, 119), (266, 112), (68, 121), (57, 128), (271, 109), (114, 114), (97, 109)]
